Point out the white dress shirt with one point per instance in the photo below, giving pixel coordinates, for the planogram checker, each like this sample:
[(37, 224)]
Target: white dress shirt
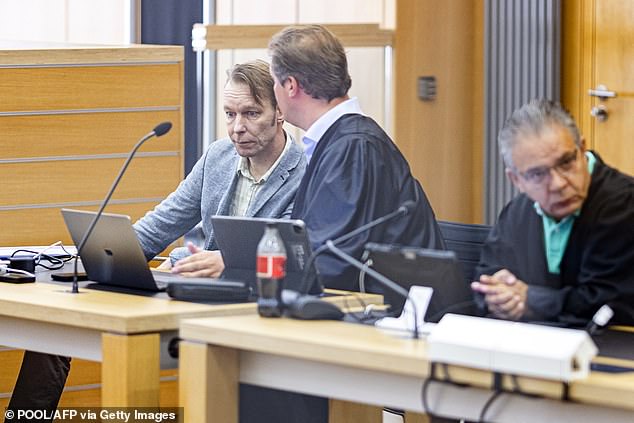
[(325, 121)]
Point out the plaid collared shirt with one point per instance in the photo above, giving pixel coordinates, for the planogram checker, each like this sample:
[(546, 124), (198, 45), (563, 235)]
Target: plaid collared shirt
[(247, 186)]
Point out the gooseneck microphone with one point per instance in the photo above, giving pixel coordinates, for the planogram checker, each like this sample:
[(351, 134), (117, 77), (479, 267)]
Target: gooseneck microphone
[(159, 130), (330, 245), (304, 306), (405, 208)]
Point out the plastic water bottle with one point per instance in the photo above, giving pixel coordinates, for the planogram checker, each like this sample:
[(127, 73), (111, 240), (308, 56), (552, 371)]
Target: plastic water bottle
[(270, 272)]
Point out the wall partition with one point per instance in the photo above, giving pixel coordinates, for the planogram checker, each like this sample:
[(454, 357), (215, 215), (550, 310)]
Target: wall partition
[(370, 64)]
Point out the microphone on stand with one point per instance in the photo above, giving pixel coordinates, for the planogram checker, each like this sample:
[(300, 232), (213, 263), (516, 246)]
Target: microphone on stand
[(159, 130), (376, 275), (304, 306), (403, 210)]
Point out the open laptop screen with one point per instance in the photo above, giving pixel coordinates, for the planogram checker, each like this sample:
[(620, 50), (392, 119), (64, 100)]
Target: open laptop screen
[(112, 254), (238, 239)]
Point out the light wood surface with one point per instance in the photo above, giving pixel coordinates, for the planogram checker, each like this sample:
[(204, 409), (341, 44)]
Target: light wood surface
[(89, 87), (65, 109), (216, 378), (114, 312), (126, 327), (18, 53), (365, 347), (11, 360), (217, 37), (86, 134), (327, 341), (100, 310), (127, 382), (46, 182), (442, 139), (44, 226), (597, 48), (614, 68), (577, 47), (346, 411)]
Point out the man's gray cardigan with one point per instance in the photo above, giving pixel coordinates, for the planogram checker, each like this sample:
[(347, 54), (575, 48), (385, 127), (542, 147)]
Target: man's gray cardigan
[(208, 191)]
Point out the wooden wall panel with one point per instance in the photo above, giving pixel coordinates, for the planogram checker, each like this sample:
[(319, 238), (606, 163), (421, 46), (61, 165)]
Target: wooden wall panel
[(577, 71), (85, 133), (11, 360), (45, 226), (87, 180), (442, 139), (89, 87), (65, 113)]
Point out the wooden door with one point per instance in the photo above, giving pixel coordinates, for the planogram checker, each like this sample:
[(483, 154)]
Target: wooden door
[(614, 69)]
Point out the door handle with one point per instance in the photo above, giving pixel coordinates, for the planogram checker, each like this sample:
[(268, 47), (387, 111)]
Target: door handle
[(602, 92)]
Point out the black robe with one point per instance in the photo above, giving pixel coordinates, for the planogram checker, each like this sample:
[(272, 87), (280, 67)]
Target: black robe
[(597, 266), (357, 174)]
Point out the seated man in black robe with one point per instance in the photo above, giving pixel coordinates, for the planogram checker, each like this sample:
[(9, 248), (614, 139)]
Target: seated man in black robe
[(355, 172), (563, 247), (355, 175)]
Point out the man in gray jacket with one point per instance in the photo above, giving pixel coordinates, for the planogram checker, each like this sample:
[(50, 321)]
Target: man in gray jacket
[(255, 171)]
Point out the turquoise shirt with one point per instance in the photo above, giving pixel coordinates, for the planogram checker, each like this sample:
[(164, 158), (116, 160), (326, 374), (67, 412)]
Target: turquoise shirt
[(556, 234)]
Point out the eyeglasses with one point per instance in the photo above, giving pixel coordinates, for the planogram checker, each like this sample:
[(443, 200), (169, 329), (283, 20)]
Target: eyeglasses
[(565, 166)]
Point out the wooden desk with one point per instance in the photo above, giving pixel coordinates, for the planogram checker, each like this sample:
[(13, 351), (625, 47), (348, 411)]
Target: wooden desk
[(127, 333), (363, 364)]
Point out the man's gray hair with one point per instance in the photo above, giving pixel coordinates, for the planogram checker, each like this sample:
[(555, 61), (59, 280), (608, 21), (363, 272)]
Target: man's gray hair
[(534, 118)]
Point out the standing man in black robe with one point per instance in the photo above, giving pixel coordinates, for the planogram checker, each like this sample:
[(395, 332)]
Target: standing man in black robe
[(565, 245), (355, 172)]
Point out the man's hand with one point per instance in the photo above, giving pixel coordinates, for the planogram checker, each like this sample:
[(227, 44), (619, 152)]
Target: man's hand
[(166, 266), (504, 294), (201, 263)]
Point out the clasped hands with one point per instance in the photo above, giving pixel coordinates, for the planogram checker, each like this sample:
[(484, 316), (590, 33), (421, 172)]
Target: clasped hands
[(505, 294)]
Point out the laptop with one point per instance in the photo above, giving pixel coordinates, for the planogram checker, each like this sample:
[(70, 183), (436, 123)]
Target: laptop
[(238, 237), (409, 266), (113, 256)]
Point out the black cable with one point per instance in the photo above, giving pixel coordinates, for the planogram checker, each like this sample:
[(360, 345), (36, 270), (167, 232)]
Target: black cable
[(517, 390), (425, 390), (565, 394), (57, 262), (487, 405)]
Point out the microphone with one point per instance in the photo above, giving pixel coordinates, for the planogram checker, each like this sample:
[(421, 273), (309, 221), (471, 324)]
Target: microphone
[(405, 208), (330, 245), (159, 130), (304, 306)]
